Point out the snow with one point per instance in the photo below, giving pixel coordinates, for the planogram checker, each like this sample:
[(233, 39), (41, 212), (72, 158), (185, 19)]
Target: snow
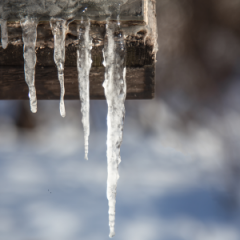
[(59, 28), (164, 193), (29, 35), (84, 62), (115, 92), (4, 33)]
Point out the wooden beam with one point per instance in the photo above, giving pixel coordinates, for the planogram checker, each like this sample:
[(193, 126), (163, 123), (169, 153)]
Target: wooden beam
[(12, 84), (140, 62)]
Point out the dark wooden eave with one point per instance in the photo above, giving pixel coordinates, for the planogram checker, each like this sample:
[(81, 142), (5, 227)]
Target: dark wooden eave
[(140, 66)]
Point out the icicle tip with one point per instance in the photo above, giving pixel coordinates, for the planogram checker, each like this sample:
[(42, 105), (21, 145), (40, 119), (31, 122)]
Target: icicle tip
[(62, 109), (33, 110), (111, 234)]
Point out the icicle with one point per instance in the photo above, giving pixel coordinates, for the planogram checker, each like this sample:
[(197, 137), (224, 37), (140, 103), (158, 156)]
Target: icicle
[(59, 28), (84, 62), (115, 92), (29, 35), (4, 33)]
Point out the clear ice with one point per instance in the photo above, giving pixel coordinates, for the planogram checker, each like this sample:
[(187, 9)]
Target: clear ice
[(29, 36), (4, 33), (84, 62), (59, 28), (115, 92), (68, 9)]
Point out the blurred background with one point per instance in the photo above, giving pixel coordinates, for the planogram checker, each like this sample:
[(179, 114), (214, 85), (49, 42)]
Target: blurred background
[(180, 169)]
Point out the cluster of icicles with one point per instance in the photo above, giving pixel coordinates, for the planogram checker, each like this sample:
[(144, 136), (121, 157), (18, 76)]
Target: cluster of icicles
[(114, 84)]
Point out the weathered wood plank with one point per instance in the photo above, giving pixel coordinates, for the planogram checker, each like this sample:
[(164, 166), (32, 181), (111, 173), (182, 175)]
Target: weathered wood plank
[(140, 83), (138, 55), (140, 62)]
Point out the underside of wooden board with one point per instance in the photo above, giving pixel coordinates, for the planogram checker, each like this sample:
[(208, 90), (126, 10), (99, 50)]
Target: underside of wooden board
[(139, 83)]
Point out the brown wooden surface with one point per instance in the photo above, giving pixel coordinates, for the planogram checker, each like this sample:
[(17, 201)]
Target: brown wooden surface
[(140, 64), (140, 73), (138, 55), (140, 83)]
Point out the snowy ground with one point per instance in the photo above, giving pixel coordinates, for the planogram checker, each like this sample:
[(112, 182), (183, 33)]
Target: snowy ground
[(172, 183)]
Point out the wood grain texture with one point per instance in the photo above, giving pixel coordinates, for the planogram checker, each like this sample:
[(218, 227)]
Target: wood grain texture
[(140, 62), (140, 83)]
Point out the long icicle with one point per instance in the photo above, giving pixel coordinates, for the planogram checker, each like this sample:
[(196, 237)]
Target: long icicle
[(84, 62), (59, 28), (4, 33), (115, 92), (29, 36)]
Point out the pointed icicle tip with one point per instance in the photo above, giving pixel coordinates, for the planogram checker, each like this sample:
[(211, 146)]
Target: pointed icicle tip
[(63, 115), (33, 109), (86, 154), (112, 233), (62, 110)]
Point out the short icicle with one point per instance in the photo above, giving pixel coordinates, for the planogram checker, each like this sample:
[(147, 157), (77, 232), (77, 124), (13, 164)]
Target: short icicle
[(4, 33), (29, 36), (115, 92), (59, 29), (84, 62)]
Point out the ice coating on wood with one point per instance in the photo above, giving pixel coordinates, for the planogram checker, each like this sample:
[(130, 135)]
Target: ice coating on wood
[(4, 33), (67, 9), (115, 92), (29, 36), (59, 28), (84, 62)]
